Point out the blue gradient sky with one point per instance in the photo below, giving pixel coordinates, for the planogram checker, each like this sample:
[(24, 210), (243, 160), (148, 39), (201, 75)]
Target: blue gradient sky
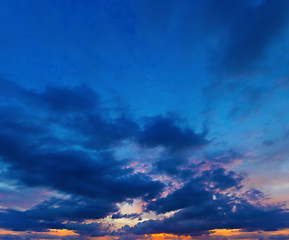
[(130, 106)]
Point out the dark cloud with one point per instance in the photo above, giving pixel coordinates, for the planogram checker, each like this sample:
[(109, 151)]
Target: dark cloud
[(220, 179), (193, 193), (62, 160), (176, 139), (88, 229), (223, 213), (77, 99), (165, 132), (202, 205), (104, 133), (198, 191), (63, 139), (26, 221), (73, 208), (76, 172), (33, 236), (242, 35), (45, 143), (170, 164), (19, 221), (249, 27)]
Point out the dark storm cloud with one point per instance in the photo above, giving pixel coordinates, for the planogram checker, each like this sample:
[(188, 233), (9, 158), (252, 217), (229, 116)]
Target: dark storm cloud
[(249, 27)]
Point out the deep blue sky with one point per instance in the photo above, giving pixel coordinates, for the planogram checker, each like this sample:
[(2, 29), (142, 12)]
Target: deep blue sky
[(126, 110)]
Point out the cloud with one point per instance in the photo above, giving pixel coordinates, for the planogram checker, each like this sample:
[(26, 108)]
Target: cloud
[(63, 161), (77, 145), (89, 229), (32, 236), (220, 179), (73, 208), (19, 221), (223, 213), (249, 28), (208, 202), (193, 193), (164, 132), (64, 138), (23, 221), (198, 191), (75, 99), (53, 145), (169, 164)]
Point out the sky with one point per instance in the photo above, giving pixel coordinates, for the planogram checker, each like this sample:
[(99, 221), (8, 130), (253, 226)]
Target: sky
[(144, 119)]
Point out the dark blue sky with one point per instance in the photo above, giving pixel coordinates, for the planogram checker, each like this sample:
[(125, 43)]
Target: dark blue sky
[(117, 113)]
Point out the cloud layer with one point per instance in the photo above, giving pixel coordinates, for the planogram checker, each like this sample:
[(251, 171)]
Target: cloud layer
[(122, 119)]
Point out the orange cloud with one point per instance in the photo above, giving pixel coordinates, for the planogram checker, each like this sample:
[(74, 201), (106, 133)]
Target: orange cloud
[(162, 236), (235, 232), (62, 232)]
